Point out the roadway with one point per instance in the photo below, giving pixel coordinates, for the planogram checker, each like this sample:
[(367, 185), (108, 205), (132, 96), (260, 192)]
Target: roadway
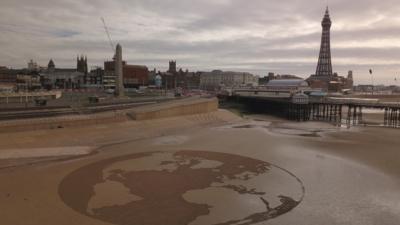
[(75, 109)]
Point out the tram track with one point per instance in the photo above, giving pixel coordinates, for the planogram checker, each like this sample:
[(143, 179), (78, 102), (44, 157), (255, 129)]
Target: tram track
[(42, 112)]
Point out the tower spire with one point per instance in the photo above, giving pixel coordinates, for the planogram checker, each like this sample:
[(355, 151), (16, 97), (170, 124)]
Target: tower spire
[(327, 12), (324, 67)]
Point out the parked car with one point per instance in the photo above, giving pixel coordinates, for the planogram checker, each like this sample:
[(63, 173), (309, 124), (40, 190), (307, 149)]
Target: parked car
[(110, 91)]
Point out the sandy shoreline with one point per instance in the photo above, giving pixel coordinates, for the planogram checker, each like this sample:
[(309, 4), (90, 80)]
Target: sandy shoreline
[(351, 176), (82, 141)]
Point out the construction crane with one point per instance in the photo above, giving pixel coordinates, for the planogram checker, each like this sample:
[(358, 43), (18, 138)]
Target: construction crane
[(108, 34)]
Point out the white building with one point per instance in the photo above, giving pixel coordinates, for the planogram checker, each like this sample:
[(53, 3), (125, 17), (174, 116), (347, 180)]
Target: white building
[(33, 66), (219, 79), (64, 78), (295, 85)]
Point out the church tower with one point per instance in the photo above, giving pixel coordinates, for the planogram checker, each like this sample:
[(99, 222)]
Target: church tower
[(81, 64), (172, 67), (51, 67), (324, 67)]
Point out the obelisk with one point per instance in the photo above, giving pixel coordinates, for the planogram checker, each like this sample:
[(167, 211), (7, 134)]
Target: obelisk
[(119, 84)]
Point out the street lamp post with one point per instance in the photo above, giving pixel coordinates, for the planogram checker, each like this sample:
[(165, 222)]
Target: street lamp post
[(372, 79)]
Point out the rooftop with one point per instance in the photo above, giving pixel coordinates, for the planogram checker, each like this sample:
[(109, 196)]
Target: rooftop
[(288, 82)]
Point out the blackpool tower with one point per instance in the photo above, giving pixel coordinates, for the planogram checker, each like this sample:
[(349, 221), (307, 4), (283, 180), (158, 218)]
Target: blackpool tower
[(324, 67)]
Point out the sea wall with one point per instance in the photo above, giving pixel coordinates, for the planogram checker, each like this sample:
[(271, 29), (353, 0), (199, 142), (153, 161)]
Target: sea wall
[(58, 122), (176, 108)]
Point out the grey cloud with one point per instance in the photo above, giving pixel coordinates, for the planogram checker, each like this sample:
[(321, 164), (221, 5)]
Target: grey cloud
[(255, 36)]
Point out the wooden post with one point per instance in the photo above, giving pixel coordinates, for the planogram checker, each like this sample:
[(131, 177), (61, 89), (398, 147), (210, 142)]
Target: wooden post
[(391, 117), (385, 117), (336, 114), (359, 115), (348, 120), (398, 118)]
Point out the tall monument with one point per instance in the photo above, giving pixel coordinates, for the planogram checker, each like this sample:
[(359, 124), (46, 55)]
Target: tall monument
[(324, 78), (119, 86), (324, 67)]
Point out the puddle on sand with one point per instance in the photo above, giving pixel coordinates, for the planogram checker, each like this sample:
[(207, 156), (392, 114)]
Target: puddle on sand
[(277, 129), (296, 132), (340, 190), (245, 126)]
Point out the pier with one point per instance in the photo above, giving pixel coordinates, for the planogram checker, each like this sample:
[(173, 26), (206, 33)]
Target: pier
[(301, 107)]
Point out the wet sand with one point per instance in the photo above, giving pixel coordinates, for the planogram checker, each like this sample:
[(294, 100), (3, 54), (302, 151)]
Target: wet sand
[(350, 176)]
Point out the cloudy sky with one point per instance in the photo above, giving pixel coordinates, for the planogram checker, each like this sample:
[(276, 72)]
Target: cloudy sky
[(257, 36)]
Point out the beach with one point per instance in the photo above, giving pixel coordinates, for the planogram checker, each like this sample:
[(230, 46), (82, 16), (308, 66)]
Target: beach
[(333, 175)]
